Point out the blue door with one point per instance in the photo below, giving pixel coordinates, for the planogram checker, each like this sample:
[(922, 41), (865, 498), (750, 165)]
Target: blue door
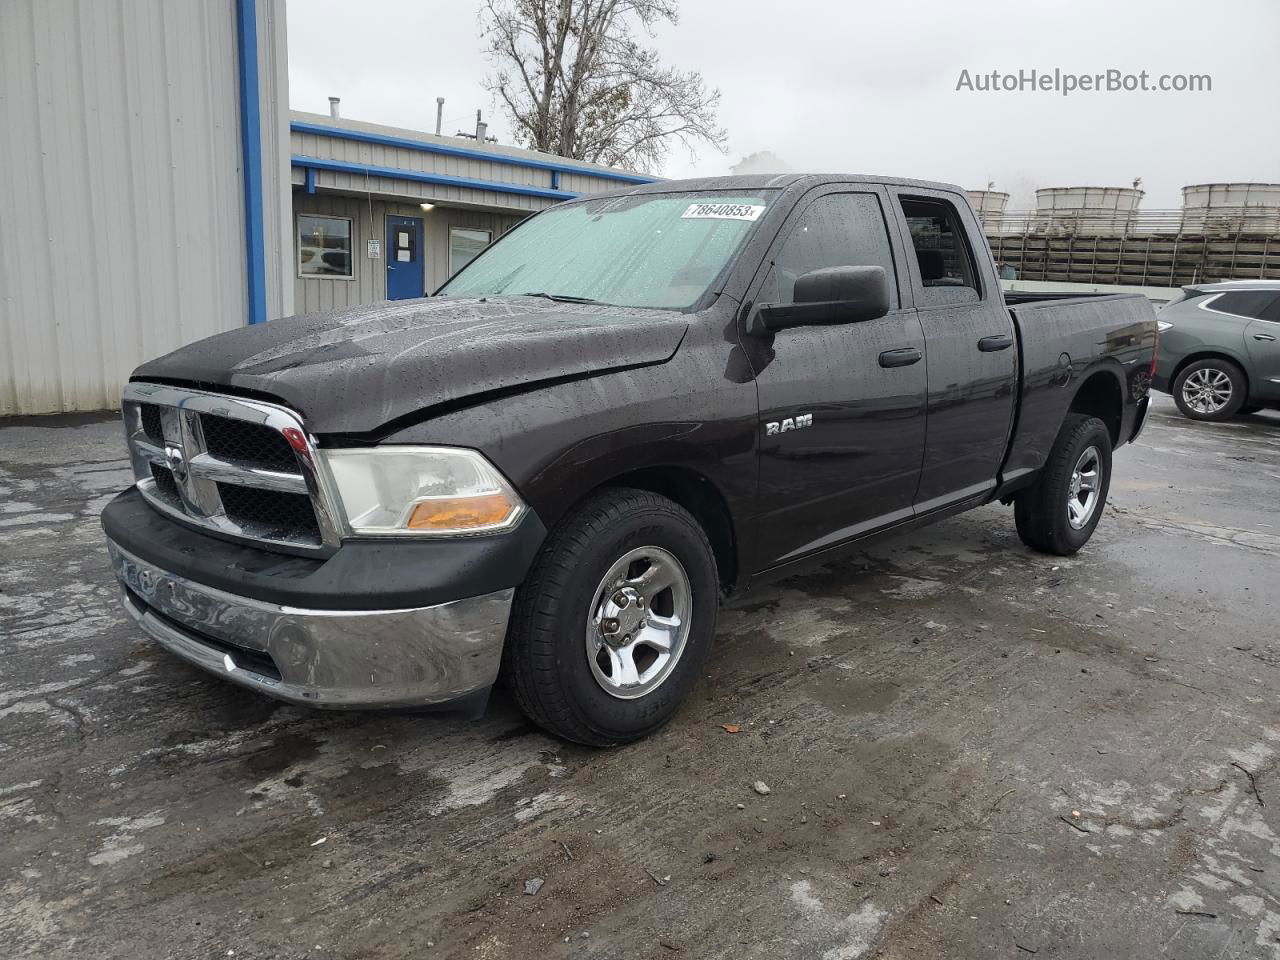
[(404, 258)]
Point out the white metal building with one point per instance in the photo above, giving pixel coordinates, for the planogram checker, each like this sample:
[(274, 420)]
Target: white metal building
[(428, 204), (154, 190)]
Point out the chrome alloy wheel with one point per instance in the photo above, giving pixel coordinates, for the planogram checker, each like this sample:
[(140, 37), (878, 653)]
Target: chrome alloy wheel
[(1083, 491), (638, 622), (1207, 390)]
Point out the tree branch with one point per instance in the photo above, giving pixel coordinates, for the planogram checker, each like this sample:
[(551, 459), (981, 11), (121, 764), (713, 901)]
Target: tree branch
[(586, 89)]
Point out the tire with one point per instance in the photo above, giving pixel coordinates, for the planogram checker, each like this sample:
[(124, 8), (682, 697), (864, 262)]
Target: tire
[(1216, 392), (1043, 512), (566, 605)]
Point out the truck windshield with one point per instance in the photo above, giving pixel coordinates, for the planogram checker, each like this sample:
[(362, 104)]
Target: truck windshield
[(659, 250)]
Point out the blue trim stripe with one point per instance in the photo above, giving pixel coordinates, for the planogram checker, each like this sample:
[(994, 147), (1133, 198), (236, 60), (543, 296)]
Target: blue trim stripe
[(310, 176), (422, 146), (251, 159), (439, 179)]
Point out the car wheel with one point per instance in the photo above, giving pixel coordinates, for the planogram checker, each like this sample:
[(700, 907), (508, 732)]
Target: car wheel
[(614, 623), (1211, 389), (1059, 512)]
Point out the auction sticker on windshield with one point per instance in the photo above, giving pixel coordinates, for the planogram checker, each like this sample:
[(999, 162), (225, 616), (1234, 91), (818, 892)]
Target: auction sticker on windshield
[(723, 211)]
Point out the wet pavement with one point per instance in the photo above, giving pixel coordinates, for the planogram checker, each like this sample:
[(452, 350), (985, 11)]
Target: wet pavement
[(972, 751)]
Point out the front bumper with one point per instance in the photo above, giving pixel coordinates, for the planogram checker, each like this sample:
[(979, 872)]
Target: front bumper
[(415, 657)]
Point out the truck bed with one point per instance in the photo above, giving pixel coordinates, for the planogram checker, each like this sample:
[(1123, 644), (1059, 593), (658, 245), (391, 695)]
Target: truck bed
[(1063, 341), (1014, 298)]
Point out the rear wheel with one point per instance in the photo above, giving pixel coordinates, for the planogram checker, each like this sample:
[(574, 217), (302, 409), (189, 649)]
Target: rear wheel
[(614, 623), (1211, 389), (1059, 512)]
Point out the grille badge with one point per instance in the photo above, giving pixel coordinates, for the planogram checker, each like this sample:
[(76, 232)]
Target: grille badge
[(175, 458)]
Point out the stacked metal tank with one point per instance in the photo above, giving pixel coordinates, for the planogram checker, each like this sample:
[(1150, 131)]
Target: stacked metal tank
[(1231, 209), (1092, 211), (990, 208)]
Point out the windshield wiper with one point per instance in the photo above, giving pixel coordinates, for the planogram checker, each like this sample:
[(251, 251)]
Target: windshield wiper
[(559, 297)]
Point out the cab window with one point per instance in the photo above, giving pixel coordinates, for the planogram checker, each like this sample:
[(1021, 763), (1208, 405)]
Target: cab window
[(837, 230), (942, 255)]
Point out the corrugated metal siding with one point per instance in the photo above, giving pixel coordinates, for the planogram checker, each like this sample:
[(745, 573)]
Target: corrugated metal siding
[(417, 192), (348, 151), (121, 203), (314, 294), (582, 183), (310, 144)]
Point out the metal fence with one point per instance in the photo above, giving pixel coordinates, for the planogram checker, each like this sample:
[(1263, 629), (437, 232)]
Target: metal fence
[(1193, 221)]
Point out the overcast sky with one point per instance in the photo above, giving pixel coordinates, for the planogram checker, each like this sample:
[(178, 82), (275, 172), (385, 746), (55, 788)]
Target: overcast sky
[(852, 86)]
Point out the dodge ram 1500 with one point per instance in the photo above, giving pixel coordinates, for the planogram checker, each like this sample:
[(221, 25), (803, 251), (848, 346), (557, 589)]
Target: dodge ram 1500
[(630, 406)]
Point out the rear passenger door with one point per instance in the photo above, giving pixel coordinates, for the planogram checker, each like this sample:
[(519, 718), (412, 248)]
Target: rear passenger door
[(1261, 337), (842, 406), (972, 354)]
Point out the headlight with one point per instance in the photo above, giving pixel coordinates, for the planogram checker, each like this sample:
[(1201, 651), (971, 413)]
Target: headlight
[(421, 491), (1163, 325)]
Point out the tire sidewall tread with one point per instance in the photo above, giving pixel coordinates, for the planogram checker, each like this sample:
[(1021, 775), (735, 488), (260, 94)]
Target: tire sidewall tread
[(1239, 389), (544, 659), (1040, 511)]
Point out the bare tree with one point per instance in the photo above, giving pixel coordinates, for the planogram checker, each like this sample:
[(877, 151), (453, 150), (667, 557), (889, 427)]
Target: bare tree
[(577, 83)]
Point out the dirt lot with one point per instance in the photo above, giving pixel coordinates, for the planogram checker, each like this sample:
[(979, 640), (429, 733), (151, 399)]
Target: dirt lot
[(972, 750)]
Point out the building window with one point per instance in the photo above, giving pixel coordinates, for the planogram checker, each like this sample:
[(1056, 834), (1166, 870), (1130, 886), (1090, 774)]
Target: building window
[(465, 244), (324, 247)]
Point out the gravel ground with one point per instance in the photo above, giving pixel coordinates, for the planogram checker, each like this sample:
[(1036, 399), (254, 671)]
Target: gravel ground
[(971, 751)]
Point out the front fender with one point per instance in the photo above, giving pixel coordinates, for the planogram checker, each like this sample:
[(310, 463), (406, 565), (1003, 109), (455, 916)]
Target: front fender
[(558, 443)]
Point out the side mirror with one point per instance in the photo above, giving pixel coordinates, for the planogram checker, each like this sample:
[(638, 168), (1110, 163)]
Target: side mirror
[(829, 296)]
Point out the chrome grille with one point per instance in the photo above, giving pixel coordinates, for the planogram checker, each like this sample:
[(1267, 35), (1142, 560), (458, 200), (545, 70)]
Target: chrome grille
[(241, 468), (165, 485), (248, 443), (271, 515), (151, 423)]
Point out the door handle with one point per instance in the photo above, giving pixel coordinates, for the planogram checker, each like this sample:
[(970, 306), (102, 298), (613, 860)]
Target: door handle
[(902, 357), (1263, 336), (999, 342)]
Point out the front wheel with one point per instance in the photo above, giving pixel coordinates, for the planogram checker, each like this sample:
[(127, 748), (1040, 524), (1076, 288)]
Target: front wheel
[(1059, 512), (1211, 389), (612, 627)]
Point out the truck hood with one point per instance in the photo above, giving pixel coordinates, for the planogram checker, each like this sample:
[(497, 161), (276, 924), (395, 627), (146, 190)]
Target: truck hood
[(353, 371)]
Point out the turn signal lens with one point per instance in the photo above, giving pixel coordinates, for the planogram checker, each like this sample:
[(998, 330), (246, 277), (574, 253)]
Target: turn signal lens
[(420, 491), (462, 513)]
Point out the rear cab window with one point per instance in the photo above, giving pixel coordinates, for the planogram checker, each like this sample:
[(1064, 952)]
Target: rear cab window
[(943, 258)]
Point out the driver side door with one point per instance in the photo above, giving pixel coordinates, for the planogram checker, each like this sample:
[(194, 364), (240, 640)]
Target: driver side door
[(842, 408)]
